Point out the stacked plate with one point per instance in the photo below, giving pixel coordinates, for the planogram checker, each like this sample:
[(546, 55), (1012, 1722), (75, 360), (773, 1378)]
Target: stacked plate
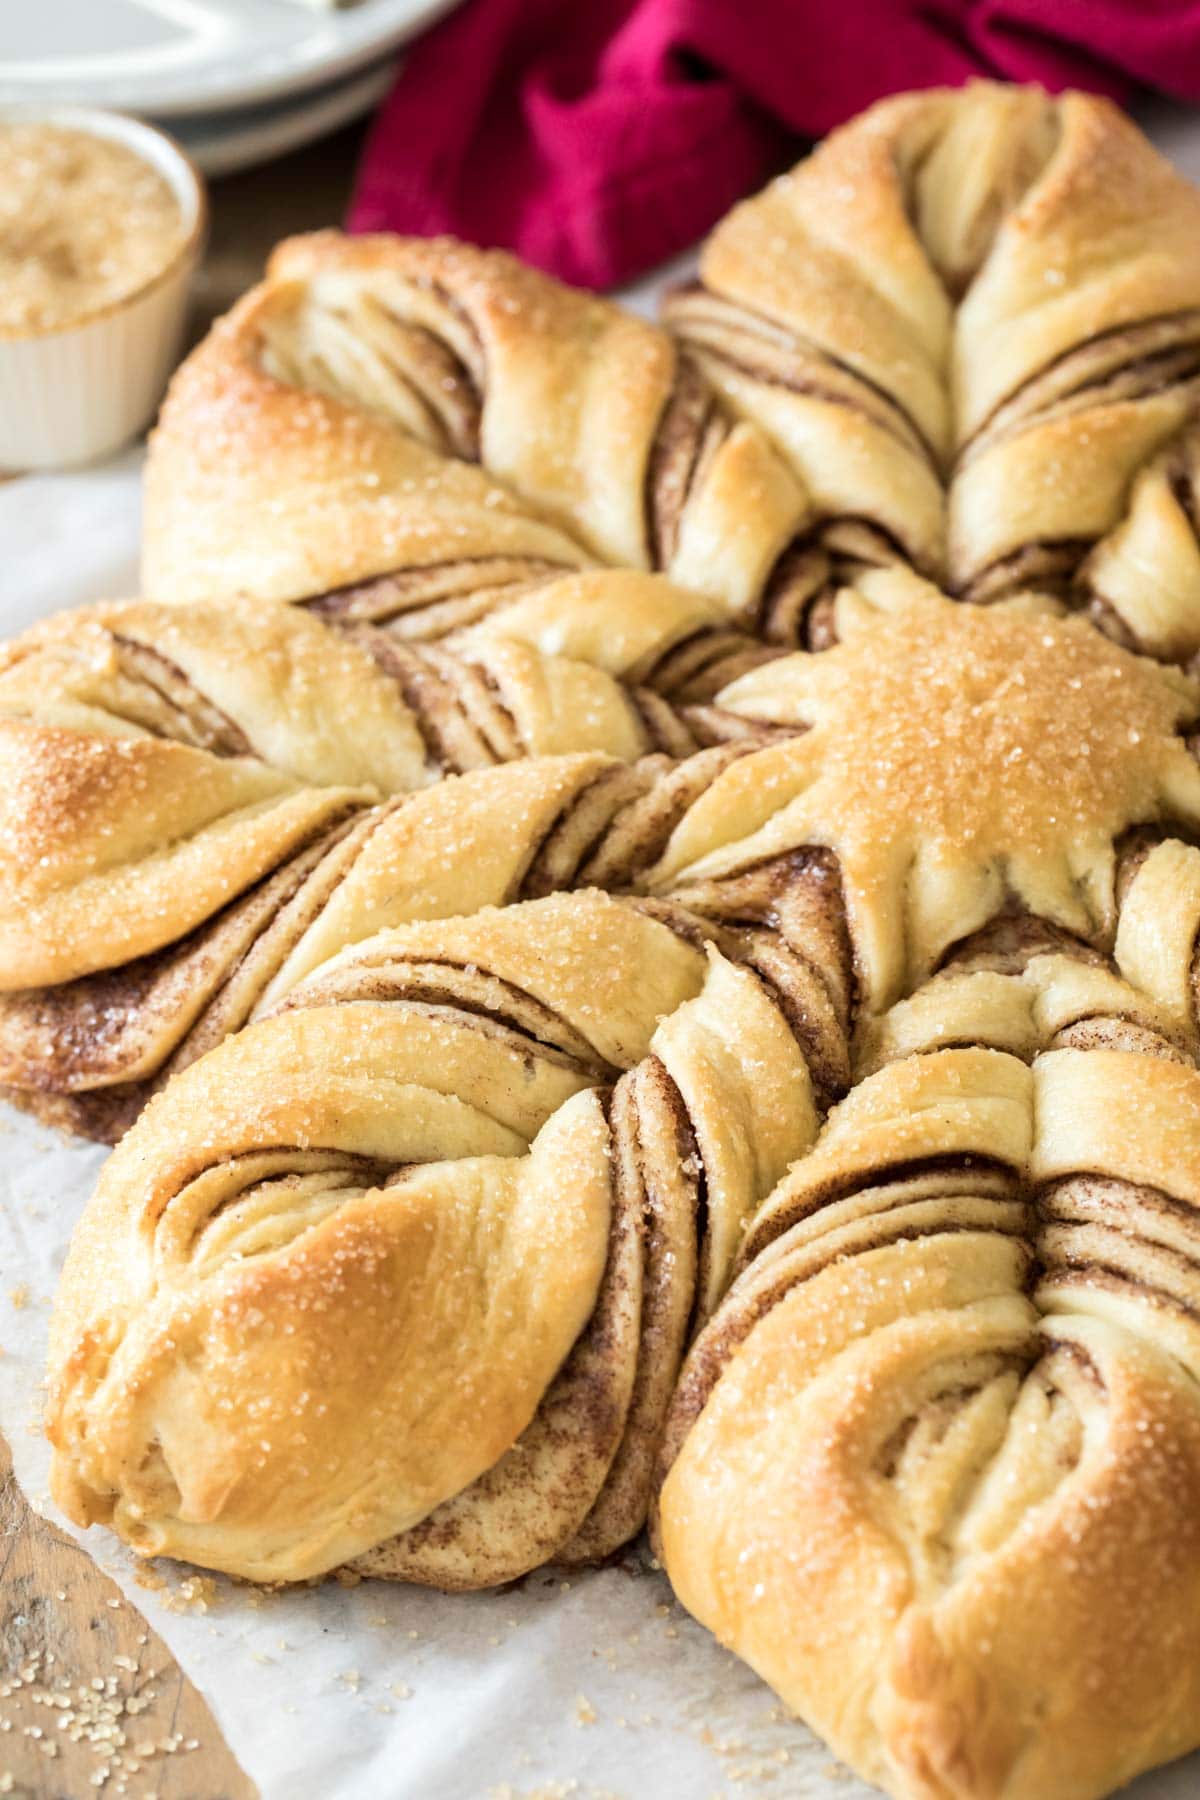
[(235, 81)]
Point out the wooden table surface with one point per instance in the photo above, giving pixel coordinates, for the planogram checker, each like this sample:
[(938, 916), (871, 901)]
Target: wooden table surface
[(91, 1701)]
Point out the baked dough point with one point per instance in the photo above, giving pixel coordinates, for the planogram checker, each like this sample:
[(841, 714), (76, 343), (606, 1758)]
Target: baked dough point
[(404, 1271), (958, 1376)]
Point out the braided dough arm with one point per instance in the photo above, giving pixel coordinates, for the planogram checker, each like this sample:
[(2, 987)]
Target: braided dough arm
[(132, 842), (259, 680), (462, 844), (255, 1172), (203, 774), (595, 442), (1027, 334), (183, 779), (1028, 1522), (348, 494), (302, 481), (818, 315), (161, 761), (971, 1561), (1076, 363), (242, 1450)]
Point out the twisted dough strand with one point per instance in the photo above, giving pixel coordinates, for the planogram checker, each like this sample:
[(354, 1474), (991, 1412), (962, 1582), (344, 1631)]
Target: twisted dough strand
[(957, 1371), (881, 363), (590, 439), (190, 789), (462, 1170), (990, 292)]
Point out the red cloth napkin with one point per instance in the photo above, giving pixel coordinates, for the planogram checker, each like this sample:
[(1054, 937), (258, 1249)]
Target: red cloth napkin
[(598, 137)]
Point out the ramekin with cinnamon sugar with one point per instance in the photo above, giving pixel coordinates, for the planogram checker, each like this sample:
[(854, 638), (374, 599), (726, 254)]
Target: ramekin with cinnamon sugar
[(102, 220)]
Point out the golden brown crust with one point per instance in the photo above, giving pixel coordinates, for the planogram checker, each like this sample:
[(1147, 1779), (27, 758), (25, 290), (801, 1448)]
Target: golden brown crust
[(452, 1228), (352, 496), (174, 774), (118, 1021), (319, 397), (991, 378), (957, 758), (1015, 1492), (957, 1371), (972, 318), (133, 841)]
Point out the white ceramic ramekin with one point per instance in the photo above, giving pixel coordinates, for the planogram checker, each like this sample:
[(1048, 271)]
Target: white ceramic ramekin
[(79, 391)]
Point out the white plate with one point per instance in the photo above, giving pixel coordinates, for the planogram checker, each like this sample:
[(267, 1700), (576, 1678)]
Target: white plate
[(167, 57), (220, 143)]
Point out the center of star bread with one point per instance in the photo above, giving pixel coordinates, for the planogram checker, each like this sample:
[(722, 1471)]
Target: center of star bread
[(993, 731)]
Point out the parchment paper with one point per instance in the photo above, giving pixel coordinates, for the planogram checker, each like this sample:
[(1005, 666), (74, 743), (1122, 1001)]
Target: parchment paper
[(598, 1687)]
